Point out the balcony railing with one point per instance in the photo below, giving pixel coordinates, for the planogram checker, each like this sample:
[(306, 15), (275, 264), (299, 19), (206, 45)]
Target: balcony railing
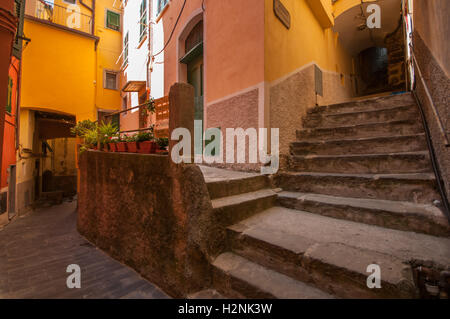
[(69, 16)]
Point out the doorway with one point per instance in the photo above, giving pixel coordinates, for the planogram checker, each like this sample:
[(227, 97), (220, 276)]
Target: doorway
[(193, 59)]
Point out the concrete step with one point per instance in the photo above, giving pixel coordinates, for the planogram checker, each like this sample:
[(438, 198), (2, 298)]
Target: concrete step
[(334, 255), (231, 209), (238, 277), (366, 104), (376, 145), (396, 113), (407, 216), (231, 187), (416, 188), (402, 127), (412, 162)]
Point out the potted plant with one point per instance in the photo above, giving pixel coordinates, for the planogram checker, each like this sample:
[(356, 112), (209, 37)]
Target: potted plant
[(121, 145), (163, 144), (132, 143), (106, 133), (91, 139), (80, 130), (147, 145), (112, 144)]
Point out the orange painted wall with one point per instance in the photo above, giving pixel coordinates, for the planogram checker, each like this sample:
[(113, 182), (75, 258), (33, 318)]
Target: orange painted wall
[(233, 44), (9, 142)]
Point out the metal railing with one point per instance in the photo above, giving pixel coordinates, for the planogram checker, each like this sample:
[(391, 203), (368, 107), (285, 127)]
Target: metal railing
[(162, 117), (63, 15), (433, 157)]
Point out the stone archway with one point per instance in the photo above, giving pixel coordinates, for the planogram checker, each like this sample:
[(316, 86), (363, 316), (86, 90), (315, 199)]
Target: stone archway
[(378, 53)]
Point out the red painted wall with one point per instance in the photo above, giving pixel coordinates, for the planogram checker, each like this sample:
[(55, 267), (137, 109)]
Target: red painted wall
[(9, 142)]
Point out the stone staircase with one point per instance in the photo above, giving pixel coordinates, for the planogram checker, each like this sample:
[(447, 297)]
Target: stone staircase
[(359, 191)]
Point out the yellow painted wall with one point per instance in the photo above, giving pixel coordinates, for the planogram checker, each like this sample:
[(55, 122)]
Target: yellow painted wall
[(25, 166), (305, 42), (64, 71), (109, 50), (58, 71)]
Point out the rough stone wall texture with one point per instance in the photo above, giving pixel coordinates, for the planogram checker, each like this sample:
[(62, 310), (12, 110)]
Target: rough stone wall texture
[(239, 111), (292, 97), (439, 86), (150, 214)]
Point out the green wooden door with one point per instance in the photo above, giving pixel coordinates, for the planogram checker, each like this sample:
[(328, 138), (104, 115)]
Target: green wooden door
[(195, 78)]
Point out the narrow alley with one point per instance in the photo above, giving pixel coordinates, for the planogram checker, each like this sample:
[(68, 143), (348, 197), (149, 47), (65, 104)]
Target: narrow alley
[(39, 247)]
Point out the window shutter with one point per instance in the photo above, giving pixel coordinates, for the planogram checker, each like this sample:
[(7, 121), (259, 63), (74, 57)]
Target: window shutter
[(9, 101), (113, 20)]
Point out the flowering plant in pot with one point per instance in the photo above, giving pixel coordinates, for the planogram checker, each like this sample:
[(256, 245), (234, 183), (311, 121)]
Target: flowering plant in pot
[(121, 145), (147, 144), (132, 143)]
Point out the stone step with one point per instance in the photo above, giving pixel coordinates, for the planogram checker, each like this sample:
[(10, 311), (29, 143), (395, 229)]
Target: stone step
[(416, 188), (365, 104), (397, 113), (206, 294), (413, 162), (376, 145), (407, 216), (402, 127), (231, 209), (231, 187), (238, 277), (334, 255)]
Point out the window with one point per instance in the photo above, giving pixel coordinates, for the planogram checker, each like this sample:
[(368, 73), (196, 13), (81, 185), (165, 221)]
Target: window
[(10, 90), (143, 20), (125, 49), (161, 5), (110, 80), (112, 20), (70, 1)]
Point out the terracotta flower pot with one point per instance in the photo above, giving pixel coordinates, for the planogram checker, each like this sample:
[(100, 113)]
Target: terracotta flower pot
[(132, 147), (147, 147), (121, 147), (112, 147)]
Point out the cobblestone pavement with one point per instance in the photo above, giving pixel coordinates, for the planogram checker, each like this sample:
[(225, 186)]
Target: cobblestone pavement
[(35, 251)]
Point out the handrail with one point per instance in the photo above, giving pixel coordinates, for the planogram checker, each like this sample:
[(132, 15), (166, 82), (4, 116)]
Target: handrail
[(434, 162)]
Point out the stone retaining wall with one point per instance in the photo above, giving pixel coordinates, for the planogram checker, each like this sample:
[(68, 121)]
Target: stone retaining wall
[(150, 214)]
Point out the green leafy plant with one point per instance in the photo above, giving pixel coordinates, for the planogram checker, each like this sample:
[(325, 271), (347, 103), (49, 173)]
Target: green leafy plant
[(82, 127), (131, 138), (107, 132), (144, 136), (163, 142), (149, 107), (91, 138)]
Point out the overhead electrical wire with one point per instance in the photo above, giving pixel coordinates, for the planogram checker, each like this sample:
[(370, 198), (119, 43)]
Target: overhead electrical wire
[(173, 30)]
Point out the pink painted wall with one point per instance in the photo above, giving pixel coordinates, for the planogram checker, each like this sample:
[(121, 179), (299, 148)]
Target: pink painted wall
[(233, 44)]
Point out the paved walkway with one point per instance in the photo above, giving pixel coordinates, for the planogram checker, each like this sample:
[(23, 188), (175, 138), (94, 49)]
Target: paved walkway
[(35, 251)]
